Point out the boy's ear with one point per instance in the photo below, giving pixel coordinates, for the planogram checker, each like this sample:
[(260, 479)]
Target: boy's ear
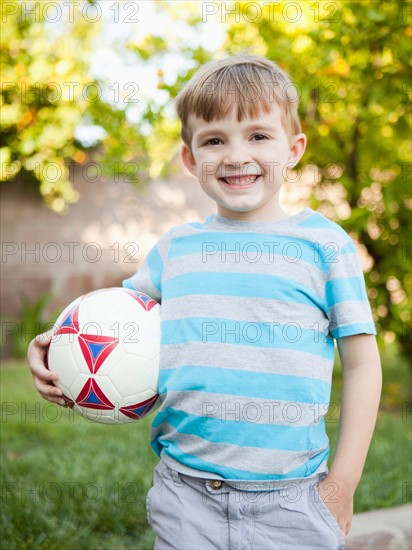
[(188, 159), (297, 148)]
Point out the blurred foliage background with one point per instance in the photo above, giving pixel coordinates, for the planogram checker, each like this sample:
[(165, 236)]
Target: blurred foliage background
[(349, 60)]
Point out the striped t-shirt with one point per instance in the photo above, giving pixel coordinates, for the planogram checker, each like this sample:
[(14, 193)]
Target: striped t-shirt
[(249, 315)]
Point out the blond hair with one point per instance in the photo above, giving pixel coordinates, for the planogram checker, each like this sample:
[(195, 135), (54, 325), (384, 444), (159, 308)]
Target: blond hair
[(251, 82)]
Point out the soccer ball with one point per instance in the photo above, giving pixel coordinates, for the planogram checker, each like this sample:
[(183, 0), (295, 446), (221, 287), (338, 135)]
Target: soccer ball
[(105, 351)]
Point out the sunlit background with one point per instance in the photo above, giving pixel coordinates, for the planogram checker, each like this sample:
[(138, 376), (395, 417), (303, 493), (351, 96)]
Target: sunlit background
[(87, 98), (89, 155)]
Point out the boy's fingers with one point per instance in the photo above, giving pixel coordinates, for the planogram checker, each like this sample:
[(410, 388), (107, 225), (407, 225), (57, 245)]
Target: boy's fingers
[(43, 378), (36, 355), (47, 390), (39, 370), (44, 339), (56, 400)]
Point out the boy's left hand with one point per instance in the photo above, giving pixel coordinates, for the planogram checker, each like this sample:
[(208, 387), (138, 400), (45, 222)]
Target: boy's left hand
[(338, 497)]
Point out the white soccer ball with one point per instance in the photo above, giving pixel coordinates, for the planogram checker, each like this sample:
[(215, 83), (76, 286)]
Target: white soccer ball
[(105, 351)]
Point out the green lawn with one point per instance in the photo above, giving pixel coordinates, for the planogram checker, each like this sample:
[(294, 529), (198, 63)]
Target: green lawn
[(71, 484)]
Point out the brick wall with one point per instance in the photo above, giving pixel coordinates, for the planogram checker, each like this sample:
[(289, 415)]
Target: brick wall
[(99, 241)]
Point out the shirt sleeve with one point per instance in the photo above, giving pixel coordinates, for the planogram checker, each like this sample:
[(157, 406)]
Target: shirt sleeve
[(348, 307), (148, 279)]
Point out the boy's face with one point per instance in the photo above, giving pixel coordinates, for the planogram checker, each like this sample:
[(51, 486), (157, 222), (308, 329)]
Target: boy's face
[(241, 165)]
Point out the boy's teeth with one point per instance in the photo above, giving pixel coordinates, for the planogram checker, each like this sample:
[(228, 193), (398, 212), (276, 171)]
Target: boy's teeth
[(241, 180)]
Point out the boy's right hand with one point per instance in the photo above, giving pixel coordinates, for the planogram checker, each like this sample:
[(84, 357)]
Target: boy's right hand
[(43, 378)]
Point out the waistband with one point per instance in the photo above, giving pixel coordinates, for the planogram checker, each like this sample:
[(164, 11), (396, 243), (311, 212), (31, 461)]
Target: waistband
[(218, 484)]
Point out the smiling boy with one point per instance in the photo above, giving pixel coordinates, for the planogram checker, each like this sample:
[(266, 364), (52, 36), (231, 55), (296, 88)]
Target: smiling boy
[(240, 165), (252, 300)]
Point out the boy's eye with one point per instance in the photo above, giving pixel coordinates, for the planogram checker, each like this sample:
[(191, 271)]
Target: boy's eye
[(213, 141), (259, 137)]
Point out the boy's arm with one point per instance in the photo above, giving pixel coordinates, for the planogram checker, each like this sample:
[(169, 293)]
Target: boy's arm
[(362, 384)]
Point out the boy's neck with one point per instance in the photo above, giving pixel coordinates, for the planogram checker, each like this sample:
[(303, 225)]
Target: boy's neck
[(274, 215)]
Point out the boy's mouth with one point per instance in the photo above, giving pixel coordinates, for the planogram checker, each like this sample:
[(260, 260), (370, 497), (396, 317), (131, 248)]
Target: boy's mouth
[(243, 181)]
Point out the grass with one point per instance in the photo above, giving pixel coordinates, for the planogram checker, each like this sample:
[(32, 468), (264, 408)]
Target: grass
[(68, 483)]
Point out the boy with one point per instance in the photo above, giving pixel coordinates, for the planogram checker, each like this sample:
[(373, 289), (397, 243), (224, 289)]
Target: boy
[(251, 301)]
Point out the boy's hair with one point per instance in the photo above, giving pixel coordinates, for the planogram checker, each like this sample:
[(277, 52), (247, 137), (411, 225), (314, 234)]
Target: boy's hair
[(251, 82)]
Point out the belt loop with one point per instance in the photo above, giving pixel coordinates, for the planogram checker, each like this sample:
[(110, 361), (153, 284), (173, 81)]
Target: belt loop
[(176, 478)]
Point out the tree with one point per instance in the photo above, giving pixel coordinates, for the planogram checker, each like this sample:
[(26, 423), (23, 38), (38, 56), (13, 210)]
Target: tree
[(47, 92), (354, 110), (350, 61)]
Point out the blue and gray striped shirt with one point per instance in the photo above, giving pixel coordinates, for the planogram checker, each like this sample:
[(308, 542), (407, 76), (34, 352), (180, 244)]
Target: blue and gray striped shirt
[(250, 311)]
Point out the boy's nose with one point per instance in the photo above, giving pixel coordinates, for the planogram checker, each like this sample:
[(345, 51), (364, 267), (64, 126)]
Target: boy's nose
[(236, 156)]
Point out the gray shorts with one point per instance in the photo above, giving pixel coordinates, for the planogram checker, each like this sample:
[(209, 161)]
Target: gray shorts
[(188, 513)]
